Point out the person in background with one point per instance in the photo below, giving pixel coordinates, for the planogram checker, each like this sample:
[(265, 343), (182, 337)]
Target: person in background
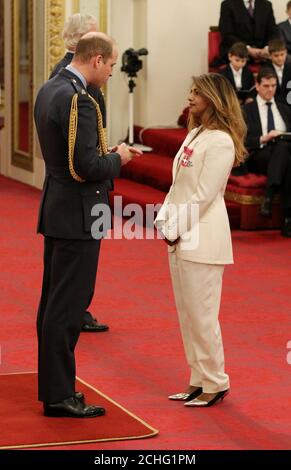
[(79, 169), (282, 68), (285, 30), (238, 73), (76, 26), (267, 119), (249, 21), (200, 172)]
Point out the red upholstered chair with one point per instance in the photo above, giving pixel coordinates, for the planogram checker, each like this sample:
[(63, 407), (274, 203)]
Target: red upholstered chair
[(247, 191), (214, 40)]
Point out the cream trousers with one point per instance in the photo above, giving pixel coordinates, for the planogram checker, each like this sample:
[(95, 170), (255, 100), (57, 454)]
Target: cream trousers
[(197, 291)]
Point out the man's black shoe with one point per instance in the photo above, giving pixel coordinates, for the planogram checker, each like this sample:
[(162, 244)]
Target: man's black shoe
[(266, 207), (79, 396), (72, 408), (92, 325), (286, 229)]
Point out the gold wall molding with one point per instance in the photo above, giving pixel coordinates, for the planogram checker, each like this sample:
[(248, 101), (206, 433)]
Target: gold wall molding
[(1, 43), (103, 15), (76, 6), (55, 23), (22, 157)]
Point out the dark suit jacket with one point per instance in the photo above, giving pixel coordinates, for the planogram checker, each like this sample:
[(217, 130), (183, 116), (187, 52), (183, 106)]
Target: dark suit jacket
[(95, 92), (65, 210), (285, 32), (282, 90), (236, 25), (253, 122), (247, 78)]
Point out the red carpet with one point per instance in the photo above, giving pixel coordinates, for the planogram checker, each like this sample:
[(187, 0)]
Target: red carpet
[(27, 427), (140, 361)]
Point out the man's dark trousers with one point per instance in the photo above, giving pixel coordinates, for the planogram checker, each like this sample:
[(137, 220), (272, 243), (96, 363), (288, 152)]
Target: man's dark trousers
[(274, 160), (68, 282)]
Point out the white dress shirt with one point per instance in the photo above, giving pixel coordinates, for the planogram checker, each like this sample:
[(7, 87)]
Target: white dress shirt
[(279, 71), (237, 75), (263, 110), (247, 4)]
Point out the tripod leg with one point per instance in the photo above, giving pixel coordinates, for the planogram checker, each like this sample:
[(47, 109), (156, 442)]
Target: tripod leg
[(131, 138)]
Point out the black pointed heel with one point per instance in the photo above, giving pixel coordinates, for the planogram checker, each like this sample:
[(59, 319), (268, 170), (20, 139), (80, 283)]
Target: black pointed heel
[(201, 403), (218, 396)]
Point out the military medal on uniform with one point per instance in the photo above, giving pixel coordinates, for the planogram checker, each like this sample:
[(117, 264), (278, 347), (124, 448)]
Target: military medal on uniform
[(187, 154)]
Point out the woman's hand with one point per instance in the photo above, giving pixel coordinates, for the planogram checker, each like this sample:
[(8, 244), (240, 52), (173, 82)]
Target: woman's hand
[(171, 243)]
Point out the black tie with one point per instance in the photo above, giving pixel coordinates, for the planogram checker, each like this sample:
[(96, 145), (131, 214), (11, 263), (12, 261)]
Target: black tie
[(251, 8), (270, 120)]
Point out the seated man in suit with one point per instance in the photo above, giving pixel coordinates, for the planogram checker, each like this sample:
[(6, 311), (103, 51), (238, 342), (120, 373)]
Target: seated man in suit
[(281, 67), (237, 72), (249, 21), (285, 30), (76, 26), (267, 119)]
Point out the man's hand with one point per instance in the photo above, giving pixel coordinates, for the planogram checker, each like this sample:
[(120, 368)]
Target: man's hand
[(254, 52), (270, 136), (127, 153), (170, 243), (264, 53)]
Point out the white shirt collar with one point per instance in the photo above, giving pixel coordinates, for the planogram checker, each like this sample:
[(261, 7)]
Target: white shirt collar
[(247, 4), (78, 74), (262, 102), (278, 69), (236, 72)]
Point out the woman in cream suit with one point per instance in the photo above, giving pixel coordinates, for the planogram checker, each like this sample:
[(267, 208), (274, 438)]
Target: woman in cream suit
[(194, 223)]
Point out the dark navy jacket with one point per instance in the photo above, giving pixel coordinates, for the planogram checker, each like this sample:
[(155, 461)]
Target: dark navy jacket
[(65, 210)]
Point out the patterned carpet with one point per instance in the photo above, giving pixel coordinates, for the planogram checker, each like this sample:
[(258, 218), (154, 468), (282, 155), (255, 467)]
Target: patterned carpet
[(140, 361)]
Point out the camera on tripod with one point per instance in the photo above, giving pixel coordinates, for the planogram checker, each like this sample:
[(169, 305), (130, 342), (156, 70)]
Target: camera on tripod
[(131, 63)]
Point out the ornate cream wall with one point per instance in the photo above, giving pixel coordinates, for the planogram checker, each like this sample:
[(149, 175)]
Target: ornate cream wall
[(175, 33), (47, 48)]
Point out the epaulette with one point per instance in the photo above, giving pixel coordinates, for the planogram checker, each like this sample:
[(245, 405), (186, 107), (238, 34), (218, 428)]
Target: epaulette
[(73, 126), (78, 88)]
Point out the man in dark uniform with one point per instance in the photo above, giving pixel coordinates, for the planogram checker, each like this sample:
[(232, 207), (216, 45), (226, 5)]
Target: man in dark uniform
[(78, 177), (76, 26)]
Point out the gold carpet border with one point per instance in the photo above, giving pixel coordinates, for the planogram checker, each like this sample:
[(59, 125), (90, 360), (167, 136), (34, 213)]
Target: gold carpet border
[(27, 446), (245, 199)]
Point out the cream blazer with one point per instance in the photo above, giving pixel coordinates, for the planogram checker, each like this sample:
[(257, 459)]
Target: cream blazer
[(199, 182)]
